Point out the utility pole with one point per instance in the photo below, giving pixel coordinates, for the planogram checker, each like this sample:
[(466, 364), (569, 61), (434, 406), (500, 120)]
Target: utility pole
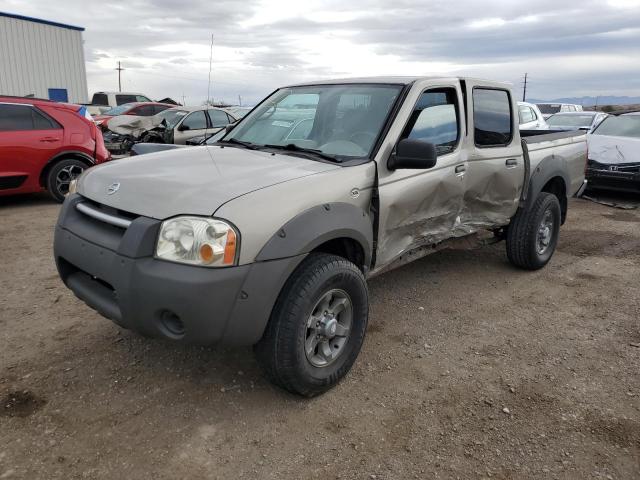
[(524, 92), (183, 99), (239, 101), (119, 69)]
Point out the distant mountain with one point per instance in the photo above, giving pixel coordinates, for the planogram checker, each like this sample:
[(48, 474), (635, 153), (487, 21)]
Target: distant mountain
[(589, 101)]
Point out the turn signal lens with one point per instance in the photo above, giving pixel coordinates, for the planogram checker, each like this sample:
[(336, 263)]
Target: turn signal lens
[(230, 248)]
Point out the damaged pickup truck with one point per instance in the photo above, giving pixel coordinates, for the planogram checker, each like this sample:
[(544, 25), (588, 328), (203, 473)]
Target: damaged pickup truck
[(267, 237)]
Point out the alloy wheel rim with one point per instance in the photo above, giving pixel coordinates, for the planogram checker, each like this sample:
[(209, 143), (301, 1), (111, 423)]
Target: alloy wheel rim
[(65, 176), (328, 328), (545, 232)]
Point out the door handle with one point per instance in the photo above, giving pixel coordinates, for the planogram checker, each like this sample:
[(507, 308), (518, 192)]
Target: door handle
[(511, 163), (460, 169), (48, 139)]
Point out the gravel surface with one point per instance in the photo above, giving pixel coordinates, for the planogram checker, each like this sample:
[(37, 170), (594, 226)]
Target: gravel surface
[(470, 369)]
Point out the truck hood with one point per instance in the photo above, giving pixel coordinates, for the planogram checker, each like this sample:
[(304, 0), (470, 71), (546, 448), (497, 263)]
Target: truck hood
[(192, 181), (614, 150)]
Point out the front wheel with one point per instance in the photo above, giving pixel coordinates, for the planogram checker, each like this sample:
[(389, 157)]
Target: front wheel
[(60, 176), (317, 326), (533, 233)]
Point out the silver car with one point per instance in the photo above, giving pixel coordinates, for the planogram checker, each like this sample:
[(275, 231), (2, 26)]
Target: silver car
[(576, 120)]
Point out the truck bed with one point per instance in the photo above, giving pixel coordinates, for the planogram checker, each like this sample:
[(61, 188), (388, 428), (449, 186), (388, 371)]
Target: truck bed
[(568, 148)]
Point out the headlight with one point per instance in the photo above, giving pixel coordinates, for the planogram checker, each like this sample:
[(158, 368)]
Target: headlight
[(207, 242)]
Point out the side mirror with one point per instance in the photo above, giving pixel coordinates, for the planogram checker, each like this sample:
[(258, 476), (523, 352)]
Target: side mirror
[(183, 127), (231, 126), (412, 154)]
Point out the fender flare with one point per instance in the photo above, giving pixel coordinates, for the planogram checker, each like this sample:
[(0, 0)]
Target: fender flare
[(317, 225), (548, 168)]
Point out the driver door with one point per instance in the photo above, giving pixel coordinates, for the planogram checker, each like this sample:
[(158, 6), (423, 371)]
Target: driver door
[(419, 208)]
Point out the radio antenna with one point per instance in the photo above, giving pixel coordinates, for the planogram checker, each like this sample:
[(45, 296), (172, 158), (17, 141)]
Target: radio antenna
[(210, 63)]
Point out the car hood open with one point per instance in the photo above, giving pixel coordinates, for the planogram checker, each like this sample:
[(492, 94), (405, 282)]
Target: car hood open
[(614, 150), (194, 180)]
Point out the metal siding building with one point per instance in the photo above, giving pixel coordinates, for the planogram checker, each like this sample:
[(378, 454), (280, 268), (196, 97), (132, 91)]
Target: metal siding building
[(41, 58)]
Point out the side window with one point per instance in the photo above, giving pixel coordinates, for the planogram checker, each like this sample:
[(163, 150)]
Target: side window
[(526, 114), (218, 118), (141, 98), (435, 120), (195, 121), (15, 118), (120, 99), (145, 110), (42, 121), (100, 99), (492, 117), (160, 108)]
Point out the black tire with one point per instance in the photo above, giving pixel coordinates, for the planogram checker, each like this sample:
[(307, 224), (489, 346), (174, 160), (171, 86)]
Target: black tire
[(60, 175), (527, 246), (282, 349)]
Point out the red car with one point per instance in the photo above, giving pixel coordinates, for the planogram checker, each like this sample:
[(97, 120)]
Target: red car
[(141, 109), (44, 145)]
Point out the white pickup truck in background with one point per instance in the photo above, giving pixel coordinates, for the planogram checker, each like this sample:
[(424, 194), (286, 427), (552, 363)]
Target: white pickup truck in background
[(103, 101)]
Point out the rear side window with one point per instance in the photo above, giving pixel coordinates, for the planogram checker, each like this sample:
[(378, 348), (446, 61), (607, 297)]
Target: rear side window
[(492, 117), (100, 99), (120, 99), (195, 121), (218, 118), (526, 115), (435, 120), (42, 121), (145, 110), (23, 117), (141, 98), (160, 108)]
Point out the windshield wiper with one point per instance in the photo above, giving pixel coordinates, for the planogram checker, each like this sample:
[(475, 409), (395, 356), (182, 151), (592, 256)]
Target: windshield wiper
[(249, 145), (295, 148)]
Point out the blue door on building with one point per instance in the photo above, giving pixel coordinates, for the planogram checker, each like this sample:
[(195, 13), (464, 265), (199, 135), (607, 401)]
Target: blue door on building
[(58, 94)]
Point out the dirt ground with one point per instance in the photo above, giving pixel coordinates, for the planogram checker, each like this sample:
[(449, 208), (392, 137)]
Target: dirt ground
[(470, 369)]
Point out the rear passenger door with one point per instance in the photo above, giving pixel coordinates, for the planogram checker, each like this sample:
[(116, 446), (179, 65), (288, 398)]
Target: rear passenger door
[(28, 139), (193, 125), (421, 207), (218, 119), (495, 169)]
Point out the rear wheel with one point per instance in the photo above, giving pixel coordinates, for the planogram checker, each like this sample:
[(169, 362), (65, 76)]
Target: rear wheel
[(533, 233), (60, 176), (317, 326)]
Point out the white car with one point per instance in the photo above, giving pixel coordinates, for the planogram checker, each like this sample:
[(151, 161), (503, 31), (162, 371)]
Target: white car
[(549, 109), (530, 117)]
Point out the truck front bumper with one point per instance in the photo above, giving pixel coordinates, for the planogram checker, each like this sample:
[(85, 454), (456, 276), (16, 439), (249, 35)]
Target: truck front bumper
[(114, 273)]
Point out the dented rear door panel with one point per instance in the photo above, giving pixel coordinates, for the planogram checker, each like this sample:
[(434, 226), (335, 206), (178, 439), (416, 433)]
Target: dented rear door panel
[(495, 174)]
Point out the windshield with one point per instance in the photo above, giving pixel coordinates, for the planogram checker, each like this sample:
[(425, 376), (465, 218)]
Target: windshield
[(570, 120), (622, 126), (336, 120), (120, 109), (548, 108), (171, 116)]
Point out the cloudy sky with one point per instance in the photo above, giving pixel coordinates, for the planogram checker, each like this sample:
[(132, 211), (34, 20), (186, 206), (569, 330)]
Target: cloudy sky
[(569, 48)]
